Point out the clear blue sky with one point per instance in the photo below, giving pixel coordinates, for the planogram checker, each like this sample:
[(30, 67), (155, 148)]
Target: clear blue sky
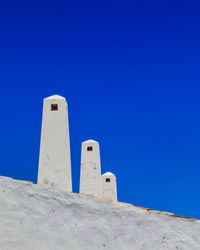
[(130, 72)]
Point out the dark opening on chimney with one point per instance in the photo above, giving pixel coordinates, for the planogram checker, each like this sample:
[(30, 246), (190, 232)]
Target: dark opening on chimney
[(54, 107), (89, 148)]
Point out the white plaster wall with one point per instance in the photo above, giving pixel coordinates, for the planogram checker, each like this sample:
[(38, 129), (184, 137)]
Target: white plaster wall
[(55, 160), (40, 218), (90, 177), (109, 189)]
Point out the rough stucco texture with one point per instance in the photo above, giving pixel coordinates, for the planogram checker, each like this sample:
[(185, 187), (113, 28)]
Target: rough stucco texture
[(37, 217), (55, 161), (90, 177), (109, 188)]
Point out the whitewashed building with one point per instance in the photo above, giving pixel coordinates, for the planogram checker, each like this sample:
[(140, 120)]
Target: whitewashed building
[(109, 187), (90, 176), (55, 160)]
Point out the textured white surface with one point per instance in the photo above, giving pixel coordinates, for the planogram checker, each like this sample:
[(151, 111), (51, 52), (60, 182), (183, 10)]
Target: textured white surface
[(34, 217), (55, 97), (90, 177), (109, 187), (55, 160)]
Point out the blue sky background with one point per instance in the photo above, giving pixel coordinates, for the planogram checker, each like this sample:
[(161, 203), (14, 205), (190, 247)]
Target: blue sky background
[(130, 72)]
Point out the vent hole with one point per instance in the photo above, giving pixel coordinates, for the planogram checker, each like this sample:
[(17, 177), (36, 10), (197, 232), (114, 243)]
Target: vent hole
[(89, 148), (54, 107), (107, 179)]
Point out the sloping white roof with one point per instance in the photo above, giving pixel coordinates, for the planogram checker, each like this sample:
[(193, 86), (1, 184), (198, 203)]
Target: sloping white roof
[(121, 226)]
